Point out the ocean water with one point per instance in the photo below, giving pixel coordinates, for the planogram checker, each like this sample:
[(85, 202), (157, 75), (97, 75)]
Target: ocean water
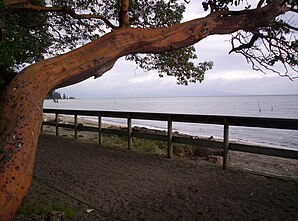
[(250, 106)]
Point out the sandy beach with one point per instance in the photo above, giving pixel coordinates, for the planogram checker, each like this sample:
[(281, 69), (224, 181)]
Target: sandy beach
[(125, 185)]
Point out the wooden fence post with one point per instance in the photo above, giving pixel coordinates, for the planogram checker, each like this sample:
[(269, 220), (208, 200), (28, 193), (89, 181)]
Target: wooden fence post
[(170, 138), (129, 128), (57, 124), (99, 130), (76, 125), (226, 144), (41, 129)]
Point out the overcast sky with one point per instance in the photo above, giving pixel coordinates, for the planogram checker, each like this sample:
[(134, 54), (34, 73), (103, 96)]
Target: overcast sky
[(231, 75)]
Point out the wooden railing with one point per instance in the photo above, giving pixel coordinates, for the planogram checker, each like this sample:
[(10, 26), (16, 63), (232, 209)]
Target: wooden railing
[(227, 121)]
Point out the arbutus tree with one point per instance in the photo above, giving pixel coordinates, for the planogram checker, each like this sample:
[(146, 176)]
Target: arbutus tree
[(147, 32)]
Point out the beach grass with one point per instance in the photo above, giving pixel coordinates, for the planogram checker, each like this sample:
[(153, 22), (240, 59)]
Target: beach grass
[(143, 146), (146, 146), (32, 209)]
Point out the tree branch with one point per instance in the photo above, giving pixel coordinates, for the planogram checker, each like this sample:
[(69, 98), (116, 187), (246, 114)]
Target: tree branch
[(275, 51), (294, 10), (123, 15), (27, 6), (290, 27), (133, 40), (261, 2), (14, 2), (247, 45)]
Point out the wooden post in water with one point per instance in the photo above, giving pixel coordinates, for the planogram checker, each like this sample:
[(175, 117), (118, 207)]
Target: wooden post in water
[(170, 138), (57, 124), (76, 125), (129, 131), (226, 144), (99, 130)]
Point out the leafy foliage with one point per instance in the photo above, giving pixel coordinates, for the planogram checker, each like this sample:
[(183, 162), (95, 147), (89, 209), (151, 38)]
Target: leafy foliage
[(55, 32), (29, 36), (156, 14), (179, 63), (175, 63), (69, 33), (25, 38), (218, 5)]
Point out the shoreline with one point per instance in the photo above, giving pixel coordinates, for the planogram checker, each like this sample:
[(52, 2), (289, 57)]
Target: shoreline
[(88, 121), (260, 164)]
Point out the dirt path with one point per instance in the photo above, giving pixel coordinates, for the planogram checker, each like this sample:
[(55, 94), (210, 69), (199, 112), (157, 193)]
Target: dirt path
[(123, 185)]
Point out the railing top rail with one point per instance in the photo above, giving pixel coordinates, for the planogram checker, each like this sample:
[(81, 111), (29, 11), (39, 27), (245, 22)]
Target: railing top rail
[(276, 123)]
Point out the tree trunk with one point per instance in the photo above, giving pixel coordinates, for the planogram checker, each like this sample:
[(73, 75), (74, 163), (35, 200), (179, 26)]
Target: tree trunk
[(22, 107), (20, 125)]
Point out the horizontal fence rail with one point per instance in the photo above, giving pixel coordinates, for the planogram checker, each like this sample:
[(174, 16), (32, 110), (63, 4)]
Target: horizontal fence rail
[(226, 121)]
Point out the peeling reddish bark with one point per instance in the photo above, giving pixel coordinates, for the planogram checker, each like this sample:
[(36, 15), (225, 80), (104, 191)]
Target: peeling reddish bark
[(21, 116)]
